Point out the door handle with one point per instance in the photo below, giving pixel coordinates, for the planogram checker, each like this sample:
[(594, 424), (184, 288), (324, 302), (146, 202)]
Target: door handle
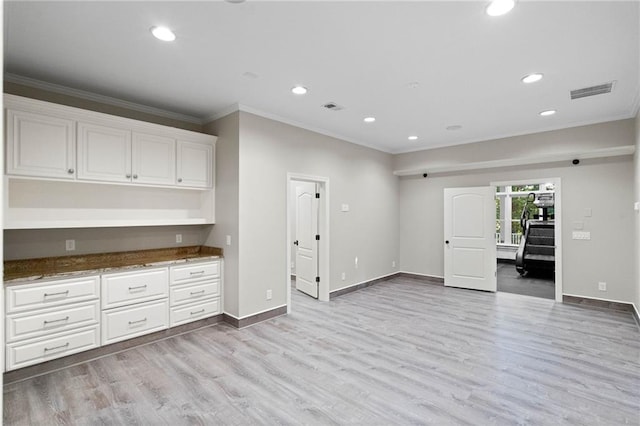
[(295, 243), (446, 242)]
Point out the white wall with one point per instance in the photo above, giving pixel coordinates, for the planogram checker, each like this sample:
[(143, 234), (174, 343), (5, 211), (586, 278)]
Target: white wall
[(602, 185), (227, 216), (359, 176), (637, 214)]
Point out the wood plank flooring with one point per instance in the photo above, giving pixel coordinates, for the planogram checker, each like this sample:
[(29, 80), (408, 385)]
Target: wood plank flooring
[(400, 352)]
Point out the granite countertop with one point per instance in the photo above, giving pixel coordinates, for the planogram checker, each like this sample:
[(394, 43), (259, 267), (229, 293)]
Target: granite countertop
[(29, 270)]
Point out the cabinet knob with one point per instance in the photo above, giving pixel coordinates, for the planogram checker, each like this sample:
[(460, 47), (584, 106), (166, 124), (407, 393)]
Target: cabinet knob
[(135, 176), (179, 179), (71, 171), (128, 176)]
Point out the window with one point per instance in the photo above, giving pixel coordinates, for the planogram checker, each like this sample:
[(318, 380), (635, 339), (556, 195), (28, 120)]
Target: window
[(510, 201)]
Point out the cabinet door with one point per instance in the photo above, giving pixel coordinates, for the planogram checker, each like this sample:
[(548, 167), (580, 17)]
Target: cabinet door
[(104, 153), (40, 145), (154, 159), (194, 164)]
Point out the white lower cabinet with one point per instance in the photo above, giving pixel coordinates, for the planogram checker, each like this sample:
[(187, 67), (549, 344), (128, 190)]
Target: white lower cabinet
[(35, 351), (193, 312), (195, 291), (53, 318), (133, 321)]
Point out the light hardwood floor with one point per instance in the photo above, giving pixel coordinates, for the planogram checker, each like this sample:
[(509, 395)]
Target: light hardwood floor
[(400, 352)]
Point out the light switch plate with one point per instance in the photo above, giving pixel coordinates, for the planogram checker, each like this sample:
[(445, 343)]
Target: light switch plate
[(345, 207), (578, 225), (636, 206), (581, 235)]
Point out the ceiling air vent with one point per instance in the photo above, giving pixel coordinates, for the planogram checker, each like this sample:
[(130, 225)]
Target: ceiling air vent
[(332, 106), (592, 91)]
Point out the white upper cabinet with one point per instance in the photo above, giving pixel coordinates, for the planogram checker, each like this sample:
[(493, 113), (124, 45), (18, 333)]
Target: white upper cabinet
[(153, 159), (104, 153), (194, 164), (67, 168), (40, 145)]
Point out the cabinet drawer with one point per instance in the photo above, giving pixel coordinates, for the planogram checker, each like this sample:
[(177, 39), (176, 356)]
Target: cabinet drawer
[(194, 272), (46, 322), (194, 312), (51, 293), (29, 352), (192, 293), (134, 287), (125, 323)]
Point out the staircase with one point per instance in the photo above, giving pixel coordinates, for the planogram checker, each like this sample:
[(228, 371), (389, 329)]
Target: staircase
[(538, 247)]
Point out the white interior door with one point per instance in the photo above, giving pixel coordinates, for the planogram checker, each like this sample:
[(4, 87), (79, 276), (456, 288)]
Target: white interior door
[(307, 245), (469, 233)]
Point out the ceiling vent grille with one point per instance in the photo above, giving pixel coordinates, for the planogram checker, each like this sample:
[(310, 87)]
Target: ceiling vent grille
[(592, 91), (332, 106)]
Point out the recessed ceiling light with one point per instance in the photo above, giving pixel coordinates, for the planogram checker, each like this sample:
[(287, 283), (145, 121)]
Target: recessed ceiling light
[(299, 90), (369, 119), (454, 127), (532, 78), (548, 112), (500, 7), (163, 33), (413, 138)]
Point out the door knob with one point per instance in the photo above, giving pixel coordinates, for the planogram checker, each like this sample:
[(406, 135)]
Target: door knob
[(295, 242), (446, 242)]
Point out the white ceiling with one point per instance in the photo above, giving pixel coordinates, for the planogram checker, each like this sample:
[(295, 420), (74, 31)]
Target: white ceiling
[(361, 55)]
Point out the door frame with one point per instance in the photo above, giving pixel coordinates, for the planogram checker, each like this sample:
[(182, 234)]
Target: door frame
[(323, 231), (557, 223)]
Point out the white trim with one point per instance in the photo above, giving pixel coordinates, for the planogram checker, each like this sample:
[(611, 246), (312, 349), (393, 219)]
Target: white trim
[(557, 224), (222, 113), (600, 299), (520, 133), (323, 230), (253, 314), (103, 99), (635, 104), (300, 125), (617, 151), (364, 282), (635, 308)]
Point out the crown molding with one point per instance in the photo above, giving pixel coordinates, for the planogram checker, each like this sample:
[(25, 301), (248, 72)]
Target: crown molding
[(103, 99)]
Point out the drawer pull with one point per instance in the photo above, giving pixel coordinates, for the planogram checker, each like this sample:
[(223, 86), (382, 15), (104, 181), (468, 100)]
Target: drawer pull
[(193, 293), (196, 273), (137, 322), (198, 312), (58, 320), (138, 287), (60, 293), (66, 345)]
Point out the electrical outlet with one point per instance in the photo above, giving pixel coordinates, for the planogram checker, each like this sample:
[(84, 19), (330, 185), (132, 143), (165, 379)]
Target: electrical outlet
[(602, 286), (393, 264), (70, 245), (344, 276), (269, 294), (178, 238), (356, 262), (228, 240)]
